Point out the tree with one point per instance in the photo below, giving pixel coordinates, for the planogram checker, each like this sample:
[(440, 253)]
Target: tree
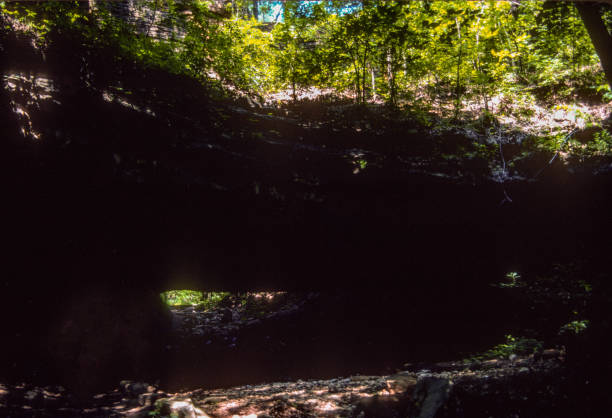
[(602, 40)]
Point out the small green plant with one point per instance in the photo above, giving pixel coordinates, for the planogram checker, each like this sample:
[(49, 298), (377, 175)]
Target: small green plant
[(585, 285), (162, 410), (182, 297), (513, 345), (512, 280), (551, 142), (214, 300), (486, 121), (602, 143), (201, 300), (575, 327), (360, 165), (479, 150), (607, 92)]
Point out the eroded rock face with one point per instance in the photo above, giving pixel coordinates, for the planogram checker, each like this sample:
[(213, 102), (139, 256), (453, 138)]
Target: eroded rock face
[(100, 336), (155, 187), (431, 393), (145, 190)]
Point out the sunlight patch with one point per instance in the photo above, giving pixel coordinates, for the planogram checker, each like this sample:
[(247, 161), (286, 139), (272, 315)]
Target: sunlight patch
[(109, 97), (28, 94)]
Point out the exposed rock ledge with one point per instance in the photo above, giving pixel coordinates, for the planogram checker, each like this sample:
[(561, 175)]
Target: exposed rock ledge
[(521, 386)]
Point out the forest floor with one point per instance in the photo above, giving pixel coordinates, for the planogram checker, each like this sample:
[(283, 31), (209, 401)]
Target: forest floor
[(523, 385)]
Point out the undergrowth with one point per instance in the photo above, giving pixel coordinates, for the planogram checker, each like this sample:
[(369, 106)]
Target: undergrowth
[(200, 300), (519, 346)]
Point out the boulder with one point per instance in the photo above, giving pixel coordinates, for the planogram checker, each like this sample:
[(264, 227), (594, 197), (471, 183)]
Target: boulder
[(180, 408), (430, 394)]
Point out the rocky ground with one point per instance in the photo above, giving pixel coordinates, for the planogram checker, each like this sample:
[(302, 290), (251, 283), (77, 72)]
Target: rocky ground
[(522, 386), (343, 354), (512, 386)]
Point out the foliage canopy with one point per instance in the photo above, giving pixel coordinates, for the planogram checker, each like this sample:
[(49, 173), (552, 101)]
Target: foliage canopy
[(431, 52)]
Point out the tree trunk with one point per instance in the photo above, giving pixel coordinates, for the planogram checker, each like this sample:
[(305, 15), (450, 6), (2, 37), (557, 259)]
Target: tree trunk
[(373, 79), (391, 76), (364, 71), (357, 81), (602, 41), (86, 6), (458, 78), (256, 9)]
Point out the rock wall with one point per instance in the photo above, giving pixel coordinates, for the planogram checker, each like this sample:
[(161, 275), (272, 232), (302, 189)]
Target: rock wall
[(149, 18)]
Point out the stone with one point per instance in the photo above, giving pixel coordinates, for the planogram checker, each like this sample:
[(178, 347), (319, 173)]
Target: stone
[(559, 115), (185, 409), (400, 383), (551, 353), (214, 399), (134, 389), (148, 399), (430, 394), (139, 388), (179, 408), (34, 397), (128, 339), (227, 315)]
